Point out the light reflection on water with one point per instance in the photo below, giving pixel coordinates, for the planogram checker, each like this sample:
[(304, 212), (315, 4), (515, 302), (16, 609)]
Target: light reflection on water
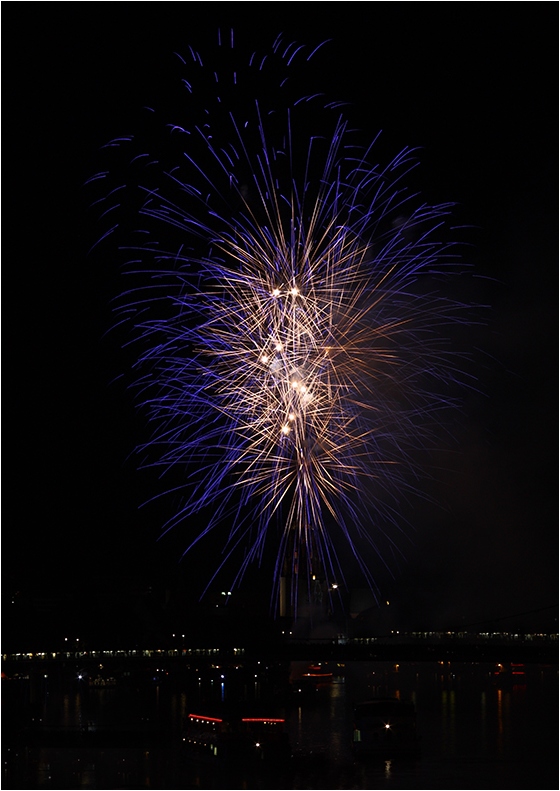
[(476, 732)]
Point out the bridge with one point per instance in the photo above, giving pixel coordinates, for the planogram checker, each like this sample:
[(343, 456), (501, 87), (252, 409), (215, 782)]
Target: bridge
[(416, 647)]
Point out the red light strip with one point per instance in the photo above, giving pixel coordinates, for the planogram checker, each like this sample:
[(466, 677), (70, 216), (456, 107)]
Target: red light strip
[(203, 717), (261, 719)]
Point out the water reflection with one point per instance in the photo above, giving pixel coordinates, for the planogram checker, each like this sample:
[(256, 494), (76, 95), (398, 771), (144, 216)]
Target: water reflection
[(476, 730), (448, 717), (388, 769)]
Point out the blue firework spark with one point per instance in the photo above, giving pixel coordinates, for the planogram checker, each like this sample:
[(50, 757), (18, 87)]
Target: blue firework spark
[(287, 310)]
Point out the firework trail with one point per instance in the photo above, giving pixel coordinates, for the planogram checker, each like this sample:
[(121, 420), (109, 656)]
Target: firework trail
[(289, 326)]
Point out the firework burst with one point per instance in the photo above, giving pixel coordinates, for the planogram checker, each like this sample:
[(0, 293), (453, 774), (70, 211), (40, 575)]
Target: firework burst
[(289, 323)]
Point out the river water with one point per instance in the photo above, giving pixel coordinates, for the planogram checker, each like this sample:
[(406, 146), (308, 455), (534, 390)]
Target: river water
[(477, 730)]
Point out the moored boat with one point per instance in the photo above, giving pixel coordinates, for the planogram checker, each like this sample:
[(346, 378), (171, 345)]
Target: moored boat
[(385, 727), (318, 673), (510, 673), (235, 738)]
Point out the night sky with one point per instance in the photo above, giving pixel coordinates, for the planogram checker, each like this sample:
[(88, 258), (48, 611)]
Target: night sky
[(475, 88)]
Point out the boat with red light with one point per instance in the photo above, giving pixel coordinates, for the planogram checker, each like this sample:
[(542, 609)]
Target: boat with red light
[(234, 738), (318, 673)]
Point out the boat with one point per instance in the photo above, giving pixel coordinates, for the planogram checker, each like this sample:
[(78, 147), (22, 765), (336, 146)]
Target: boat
[(318, 674), (102, 682), (385, 727), (509, 673), (235, 738)]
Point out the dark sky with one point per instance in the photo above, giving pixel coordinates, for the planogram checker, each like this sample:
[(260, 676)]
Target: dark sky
[(475, 87)]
